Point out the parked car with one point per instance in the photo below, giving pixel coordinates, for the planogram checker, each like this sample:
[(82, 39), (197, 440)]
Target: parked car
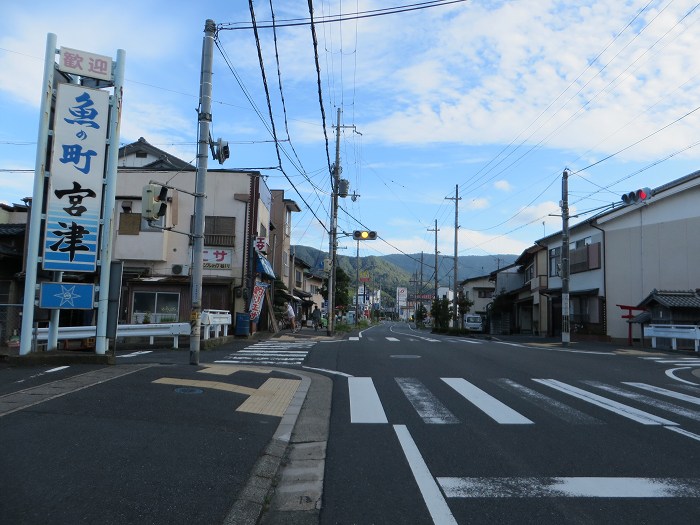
[(474, 323)]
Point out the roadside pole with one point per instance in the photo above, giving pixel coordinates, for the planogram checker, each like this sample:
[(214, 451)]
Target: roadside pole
[(204, 124), (565, 321), (335, 178)]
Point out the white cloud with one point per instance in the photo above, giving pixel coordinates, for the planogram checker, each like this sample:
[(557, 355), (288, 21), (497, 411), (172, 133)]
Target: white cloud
[(503, 185)]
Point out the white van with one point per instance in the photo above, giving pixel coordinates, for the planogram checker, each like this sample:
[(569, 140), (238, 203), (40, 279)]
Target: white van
[(474, 323)]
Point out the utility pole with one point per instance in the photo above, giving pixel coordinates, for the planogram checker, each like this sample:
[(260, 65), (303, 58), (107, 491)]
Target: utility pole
[(357, 289), (436, 258), (332, 236), (565, 321), (456, 198), (204, 122)]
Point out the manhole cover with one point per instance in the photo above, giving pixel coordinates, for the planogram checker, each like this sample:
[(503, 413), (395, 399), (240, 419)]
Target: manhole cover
[(405, 356), (188, 390)]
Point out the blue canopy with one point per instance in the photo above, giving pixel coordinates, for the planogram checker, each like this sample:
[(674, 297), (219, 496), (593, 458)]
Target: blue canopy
[(264, 266)]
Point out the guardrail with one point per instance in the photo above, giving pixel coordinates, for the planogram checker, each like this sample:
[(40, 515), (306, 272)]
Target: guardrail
[(151, 331), (214, 321), (673, 332)]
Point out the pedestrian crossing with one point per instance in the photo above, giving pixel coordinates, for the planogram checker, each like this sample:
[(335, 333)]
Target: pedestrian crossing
[(495, 399), (277, 353), (677, 361)]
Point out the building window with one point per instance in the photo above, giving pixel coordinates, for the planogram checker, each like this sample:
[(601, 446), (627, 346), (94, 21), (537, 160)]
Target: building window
[(156, 307), (584, 258), (285, 263), (129, 223), (529, 273), (485, 294), (554, 262), (298, 278), (218, 231)]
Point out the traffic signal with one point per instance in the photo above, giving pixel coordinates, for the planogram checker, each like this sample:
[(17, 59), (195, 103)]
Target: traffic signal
[(364, 235), (640, 195), (222, 151), (154, 201)]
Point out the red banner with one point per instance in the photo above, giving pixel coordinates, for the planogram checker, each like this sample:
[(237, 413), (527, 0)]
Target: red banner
[(256, 302)]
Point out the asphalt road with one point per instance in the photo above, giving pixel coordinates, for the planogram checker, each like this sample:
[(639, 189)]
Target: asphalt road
[(149, 440), (436, 429)]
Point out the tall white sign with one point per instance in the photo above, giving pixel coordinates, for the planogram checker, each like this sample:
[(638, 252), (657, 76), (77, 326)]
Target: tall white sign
[(77, 173)]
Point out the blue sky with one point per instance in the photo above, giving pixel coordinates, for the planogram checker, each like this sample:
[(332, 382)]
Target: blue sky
[(494, 97)]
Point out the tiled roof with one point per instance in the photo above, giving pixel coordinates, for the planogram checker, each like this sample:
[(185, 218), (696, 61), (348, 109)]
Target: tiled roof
[(12, 229), (673, 298)]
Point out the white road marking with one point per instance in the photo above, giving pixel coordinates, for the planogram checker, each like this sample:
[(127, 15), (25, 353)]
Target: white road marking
[(429, 408), (670, 373), (664, 392), (437, 506), (56, 369), (572, 487), (491, 406), (608, 404), (557, 408), (392, 339), (134, 354), (663, 405), (365, 406), (684, 433), (353, 338), (335, 372)]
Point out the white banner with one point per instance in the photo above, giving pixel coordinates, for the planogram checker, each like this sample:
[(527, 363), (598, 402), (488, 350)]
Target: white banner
[(74, 200)]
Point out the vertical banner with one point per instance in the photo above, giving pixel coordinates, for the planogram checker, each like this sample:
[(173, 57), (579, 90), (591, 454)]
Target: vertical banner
[(256, 302), (77, 173)]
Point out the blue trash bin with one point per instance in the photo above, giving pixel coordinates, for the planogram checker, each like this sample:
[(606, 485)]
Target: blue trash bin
[(242, 323)]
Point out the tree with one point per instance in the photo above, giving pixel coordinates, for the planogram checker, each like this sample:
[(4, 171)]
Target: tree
[(421, 313), (442, 313), (464, 305), (340, 291)]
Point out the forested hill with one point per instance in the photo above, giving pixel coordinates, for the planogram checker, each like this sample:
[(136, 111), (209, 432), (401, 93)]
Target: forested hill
[(397, 270)]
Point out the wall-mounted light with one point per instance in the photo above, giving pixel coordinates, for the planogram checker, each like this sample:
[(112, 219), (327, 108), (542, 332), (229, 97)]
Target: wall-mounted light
[(127, 206)]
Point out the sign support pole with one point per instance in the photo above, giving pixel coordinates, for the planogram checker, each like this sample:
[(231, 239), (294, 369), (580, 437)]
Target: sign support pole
[(25, 344), (108, 209)]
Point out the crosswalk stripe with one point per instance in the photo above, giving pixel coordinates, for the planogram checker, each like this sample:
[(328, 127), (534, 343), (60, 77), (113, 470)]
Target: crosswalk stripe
[(392, 339), (491, 406), (554, 407), (429, 408), (665, 392), (573, 487), (608, 404), (365, 406)]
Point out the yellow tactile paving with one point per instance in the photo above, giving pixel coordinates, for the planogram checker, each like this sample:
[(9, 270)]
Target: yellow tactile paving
[(214, 385), (272, 398), (227, 370)]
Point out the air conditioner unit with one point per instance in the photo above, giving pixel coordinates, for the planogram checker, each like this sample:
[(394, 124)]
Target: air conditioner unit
[(181, 269)]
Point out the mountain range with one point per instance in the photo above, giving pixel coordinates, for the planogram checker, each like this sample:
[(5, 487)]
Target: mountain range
[(389, 272)]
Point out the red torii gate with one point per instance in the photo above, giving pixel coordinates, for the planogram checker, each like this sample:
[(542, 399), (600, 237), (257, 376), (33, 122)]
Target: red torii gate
[(630, 315)]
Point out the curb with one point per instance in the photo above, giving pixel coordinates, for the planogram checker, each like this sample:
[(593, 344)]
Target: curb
[(299, 444)]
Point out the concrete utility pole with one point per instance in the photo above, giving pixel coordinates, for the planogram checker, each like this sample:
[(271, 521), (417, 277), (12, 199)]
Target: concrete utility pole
[(436, 258), (332, 235), (565, 321), (204, 123), (456, 198)]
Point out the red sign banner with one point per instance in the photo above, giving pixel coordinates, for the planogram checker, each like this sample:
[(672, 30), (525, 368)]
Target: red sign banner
[(256, 302)]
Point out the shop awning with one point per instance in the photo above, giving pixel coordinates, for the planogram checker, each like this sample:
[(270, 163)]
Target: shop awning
[(264, 266)]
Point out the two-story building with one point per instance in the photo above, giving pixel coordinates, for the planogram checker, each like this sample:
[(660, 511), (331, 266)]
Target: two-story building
[(616, 258), (158, 256)]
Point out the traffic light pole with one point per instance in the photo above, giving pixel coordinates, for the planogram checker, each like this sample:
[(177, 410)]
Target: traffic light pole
[(204, 121)]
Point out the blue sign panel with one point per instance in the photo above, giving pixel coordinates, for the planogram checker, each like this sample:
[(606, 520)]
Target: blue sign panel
[(67, 295)]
